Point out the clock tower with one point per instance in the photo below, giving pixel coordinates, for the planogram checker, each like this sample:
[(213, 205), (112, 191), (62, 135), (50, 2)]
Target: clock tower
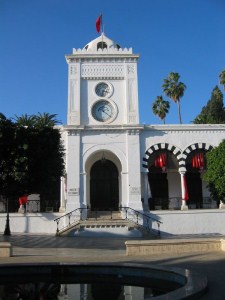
[(102, 84), (102, 132)]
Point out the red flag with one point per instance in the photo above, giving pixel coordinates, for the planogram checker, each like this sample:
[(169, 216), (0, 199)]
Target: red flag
[(98, 23)]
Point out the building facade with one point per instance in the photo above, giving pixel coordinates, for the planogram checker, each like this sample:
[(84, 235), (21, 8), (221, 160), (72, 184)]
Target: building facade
[(112, 161)]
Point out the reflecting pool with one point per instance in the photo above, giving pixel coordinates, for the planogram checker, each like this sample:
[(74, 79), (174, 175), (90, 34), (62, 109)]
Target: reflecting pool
[(94, 281)]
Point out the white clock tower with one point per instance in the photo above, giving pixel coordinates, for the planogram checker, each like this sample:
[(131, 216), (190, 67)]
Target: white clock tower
[(102, 84), (102, 132)]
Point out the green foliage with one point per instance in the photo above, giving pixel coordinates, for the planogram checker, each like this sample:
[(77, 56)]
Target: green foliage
[(31, 157), (160, 108), (214, 111), (40, 120), (174, 89), (9, 150), (222, 78), (215, 175)]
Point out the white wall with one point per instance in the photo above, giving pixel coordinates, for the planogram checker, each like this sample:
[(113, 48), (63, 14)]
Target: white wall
[(203, 222), (40, 223), (191, 222)]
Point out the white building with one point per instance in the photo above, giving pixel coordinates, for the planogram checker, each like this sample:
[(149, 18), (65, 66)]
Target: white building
[(110, 157)]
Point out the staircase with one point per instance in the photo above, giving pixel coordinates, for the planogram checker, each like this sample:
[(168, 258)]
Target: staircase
[(103, 224)]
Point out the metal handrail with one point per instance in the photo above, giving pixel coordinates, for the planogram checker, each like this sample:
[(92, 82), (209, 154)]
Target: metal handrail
[(139, 216), (70, 219)]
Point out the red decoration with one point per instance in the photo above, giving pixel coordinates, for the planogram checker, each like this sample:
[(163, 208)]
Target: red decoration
[(160, 161), (23, 200), (186, 197), (198, 161), (98, 23)]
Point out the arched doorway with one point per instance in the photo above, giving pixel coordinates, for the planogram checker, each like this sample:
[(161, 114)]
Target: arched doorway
[(163, 172), (104, 186), (195, 165)]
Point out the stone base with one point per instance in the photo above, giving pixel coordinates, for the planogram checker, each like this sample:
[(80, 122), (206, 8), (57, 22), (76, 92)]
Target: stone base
[(222, 205), (5, 249), (62, 209), (172, 246), (184, 206), (21, 209)]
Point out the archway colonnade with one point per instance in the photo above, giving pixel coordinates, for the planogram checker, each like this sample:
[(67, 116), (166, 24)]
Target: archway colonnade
[(173, 178)]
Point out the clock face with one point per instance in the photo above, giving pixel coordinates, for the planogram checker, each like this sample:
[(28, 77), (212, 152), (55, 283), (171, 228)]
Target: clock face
[(103, 111), (103, 89)]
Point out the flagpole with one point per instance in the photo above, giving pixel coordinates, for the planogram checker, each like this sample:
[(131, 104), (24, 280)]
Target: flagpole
[(102, 26), (102, 30)]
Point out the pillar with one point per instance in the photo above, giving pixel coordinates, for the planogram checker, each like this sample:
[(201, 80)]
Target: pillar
[(146, 191), (183, 191), (62, 208)]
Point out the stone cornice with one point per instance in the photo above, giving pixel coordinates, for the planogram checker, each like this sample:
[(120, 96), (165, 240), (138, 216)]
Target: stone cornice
[(143, 128), (186, 127), (103, 128), (101, 57)]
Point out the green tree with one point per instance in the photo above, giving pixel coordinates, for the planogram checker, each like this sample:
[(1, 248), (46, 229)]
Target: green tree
[(25, 120), (222, 78), (31, 159), (214, 111), (215, 174), (46, 163), (46, 120), (11, 162), (174, 89), (160, 108)]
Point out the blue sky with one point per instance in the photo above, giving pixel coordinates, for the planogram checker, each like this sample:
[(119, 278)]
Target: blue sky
[(184, 36)]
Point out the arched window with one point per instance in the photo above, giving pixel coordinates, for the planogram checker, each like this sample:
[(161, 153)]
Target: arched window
[(101, 45)]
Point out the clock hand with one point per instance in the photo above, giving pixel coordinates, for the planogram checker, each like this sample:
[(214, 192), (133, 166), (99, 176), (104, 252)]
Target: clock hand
[(105, 112)]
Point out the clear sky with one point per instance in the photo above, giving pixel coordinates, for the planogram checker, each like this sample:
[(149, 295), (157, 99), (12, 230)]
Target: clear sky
[(184, 36)]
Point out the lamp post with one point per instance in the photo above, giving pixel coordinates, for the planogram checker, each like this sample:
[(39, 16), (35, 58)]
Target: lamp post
[(7, 227)]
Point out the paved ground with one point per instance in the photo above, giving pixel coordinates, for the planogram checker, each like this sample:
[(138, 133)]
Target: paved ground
[(37, 248)]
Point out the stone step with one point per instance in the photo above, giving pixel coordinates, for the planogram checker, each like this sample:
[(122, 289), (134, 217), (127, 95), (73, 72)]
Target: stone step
[(107, 225), (107, 215)]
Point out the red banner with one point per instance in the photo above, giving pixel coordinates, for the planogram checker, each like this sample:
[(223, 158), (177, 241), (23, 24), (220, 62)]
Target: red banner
[(186, 197), (198, 161), (23, 200), (160, 161)]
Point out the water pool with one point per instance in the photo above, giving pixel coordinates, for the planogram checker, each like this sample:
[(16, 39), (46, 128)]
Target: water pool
[(90, 281)]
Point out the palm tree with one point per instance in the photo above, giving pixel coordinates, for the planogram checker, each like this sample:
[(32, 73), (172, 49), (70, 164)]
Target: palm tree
[(46, 120), (222, 78), (25, 120), (160, 108), (174, 89)]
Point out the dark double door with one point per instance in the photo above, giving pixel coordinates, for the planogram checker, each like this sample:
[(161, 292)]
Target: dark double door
[(104, 186)]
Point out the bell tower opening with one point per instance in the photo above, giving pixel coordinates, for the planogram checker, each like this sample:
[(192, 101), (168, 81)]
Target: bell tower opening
[(104, 186)]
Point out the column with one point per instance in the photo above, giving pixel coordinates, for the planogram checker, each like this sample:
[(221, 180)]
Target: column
[(62, 208), (146, 191), (183, 191)]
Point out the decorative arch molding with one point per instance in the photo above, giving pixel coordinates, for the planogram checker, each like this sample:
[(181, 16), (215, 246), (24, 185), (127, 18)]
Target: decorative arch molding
[(193, 147), (181, 156), (161, 146), (112, 153), (196, 146)]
